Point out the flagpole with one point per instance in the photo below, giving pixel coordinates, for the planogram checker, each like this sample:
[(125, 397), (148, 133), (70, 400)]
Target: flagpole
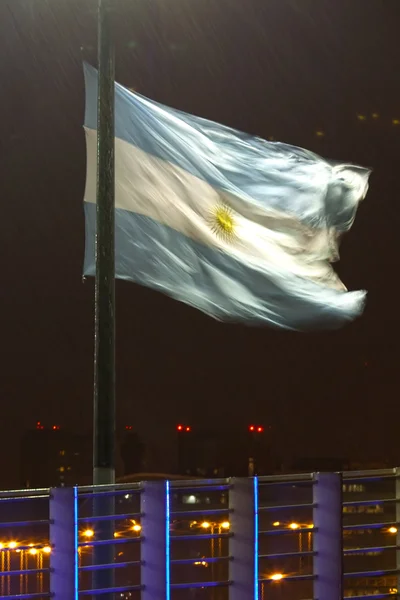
[(104, 359)]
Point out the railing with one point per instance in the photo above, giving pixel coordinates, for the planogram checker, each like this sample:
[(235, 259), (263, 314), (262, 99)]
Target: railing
[(323, 536), (24, 565)]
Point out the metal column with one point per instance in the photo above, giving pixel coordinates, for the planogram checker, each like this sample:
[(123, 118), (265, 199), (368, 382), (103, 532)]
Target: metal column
[(243, 545), (64, 544), (155, 555), (397, 484), (328, 545)]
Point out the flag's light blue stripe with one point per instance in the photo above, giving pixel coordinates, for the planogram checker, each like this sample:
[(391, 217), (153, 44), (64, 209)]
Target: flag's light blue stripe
[(165, 260), (270, 174)]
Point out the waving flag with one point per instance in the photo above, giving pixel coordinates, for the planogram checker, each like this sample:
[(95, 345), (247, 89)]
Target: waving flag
[(242, 229)]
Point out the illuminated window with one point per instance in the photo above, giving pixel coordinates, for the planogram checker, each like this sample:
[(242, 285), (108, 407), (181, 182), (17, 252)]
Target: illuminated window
[(370, 510), (364, 592), (353, 487), (192, 499)]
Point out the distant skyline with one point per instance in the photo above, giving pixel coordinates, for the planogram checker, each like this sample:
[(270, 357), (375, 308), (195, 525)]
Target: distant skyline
[(282, 68)]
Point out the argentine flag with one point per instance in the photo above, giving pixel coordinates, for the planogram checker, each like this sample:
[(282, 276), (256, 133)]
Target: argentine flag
[(240, 228)]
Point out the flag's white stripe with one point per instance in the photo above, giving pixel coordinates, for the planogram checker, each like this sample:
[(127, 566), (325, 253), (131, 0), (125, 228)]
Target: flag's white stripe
[(149, 186)]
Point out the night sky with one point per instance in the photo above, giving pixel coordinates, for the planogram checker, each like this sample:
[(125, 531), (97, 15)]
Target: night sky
[(282, 68)]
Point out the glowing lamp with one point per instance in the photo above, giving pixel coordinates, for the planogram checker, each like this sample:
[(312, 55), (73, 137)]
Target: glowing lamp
[(88, 533), (276, 577)]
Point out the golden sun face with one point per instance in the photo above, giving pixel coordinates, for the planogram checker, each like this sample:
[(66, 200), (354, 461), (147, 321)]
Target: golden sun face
[(223, 223)]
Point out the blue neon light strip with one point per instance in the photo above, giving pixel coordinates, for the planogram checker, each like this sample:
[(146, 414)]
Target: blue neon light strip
[(76, 561), (167, 542), (256, 583)]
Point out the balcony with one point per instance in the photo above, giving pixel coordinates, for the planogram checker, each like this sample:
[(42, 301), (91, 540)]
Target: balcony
[(291, 537)]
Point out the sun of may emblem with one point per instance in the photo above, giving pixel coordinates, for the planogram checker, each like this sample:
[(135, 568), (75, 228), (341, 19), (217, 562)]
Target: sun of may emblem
[(223, 222)]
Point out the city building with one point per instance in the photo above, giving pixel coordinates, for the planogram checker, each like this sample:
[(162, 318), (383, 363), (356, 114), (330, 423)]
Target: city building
[(218, 452), (53, 456), (133, 452)]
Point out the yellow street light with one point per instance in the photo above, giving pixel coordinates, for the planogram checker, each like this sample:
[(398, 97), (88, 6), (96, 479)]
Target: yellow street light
[(276, 523), (46, 549), (294, 526), (12, 545), (392, 530), (225, 525), (33, 551), (276, 577), (206, 525), (88, 533), (1, 546), (137, 528)]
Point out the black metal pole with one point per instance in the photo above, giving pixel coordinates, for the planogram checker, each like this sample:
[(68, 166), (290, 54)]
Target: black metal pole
[(104, 393), (104, 365)]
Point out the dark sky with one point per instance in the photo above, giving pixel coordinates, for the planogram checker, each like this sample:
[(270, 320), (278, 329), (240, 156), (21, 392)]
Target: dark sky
[(282, 68)]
